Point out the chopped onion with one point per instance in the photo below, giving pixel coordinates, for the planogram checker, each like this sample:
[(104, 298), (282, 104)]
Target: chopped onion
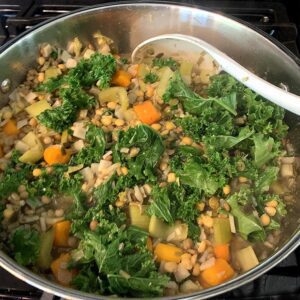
[(22, 123), (30, 97), (232, 224), (181, 273), (87, 174), (78, 145), (79, 130)]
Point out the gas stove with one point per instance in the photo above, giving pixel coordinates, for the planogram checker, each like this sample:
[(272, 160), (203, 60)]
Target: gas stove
[(277, 19)]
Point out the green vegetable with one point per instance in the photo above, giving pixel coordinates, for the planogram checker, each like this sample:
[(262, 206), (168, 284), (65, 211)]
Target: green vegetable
[(151, 78), (222, 232), (160, 207), (26, 246), (165, 62), (46, 243), (246, 258), (92, 153), (158, 228), (150, 146), (247, 225)]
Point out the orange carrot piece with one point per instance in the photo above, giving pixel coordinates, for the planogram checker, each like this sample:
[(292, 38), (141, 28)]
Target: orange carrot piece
[(149, 244), (220, 272), (55, 155), (10, 128), (222, 251), (147, 112), (121, 78), (61, 233), (167, 252), (60, 270)]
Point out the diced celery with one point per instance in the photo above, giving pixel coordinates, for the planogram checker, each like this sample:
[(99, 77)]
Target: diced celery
[(186, 71), (222, 232), (246, 258), (114, 94), (46, 243), (137, 216), (37, 108), (165, 75), (52, 73), (158, 228)]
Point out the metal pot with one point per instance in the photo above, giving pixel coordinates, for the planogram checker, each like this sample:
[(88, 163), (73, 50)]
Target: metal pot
[(128, 24)]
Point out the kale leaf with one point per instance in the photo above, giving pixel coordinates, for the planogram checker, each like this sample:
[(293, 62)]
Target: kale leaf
[(151, 78), (26, 245), (161, 62)]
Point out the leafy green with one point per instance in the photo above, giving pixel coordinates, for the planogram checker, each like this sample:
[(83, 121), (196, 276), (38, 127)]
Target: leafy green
[(265, 178), (92, 153), (26, 244), (265, 149), (161, 62), (262, 199), (150, 146), (160, 207), (194, 103), (151, 78), (247, 225)]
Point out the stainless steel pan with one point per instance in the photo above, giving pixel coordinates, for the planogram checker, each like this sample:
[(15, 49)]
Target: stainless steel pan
[(128, 24)]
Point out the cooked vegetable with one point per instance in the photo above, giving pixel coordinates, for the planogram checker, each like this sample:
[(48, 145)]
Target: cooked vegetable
[(121, 78), (62, 233), (147, 112), (167, 252), (222, 232), (138, 217), (165, 62), (10, 127), (222, 251), (114, 94), (37, 108), (220, 272), (46, 243), (151, 78), (246, 258), (60, 270), (158, 229), (35, 152), (56, 155)]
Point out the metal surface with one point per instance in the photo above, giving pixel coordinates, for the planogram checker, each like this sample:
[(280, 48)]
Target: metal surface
[(128, 25)]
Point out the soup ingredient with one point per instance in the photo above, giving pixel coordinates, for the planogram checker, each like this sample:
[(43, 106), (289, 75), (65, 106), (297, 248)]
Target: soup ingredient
[(246, 258), (138, 217), (161, 62), (59, 268), (147, 112), (26, 246), (37, 108), (220, 272), (167, 252), (56, 155), (151, 77), (46, 243), (121, 78), (62, 233), (10, 127), (222, 232), (35, 152), (222, 251)]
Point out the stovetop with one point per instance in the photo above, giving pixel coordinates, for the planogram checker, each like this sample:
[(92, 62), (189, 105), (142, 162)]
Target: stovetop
[(281, 282)]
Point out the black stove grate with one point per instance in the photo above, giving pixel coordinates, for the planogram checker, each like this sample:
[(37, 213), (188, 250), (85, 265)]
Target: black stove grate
[(281, 282)]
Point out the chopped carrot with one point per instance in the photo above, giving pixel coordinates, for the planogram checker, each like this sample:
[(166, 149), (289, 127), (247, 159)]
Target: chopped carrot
[(10, 128), (61, 233), (149, 244), (147, 112), (121, 78), (149, 90), (59, 268), (167, 252), (220, 272), (222, 251), (1, 151), (55, 155)]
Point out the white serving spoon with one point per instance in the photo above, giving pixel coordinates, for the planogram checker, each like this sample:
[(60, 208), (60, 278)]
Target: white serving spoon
[(190, 47)]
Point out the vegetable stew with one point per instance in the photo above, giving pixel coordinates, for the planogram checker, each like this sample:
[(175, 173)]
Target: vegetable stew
[(142, 180)]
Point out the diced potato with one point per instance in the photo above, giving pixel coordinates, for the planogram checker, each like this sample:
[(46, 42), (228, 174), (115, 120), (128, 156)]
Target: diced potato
[(46, 242), (158, 228), (246, 258), (32, 140), (37, 108), (52, 73), (222, 232), (143, 70), (32, 156), (137, 217), (177, 232), (114, 94), (186, 71), (21, 146), (165, 75)]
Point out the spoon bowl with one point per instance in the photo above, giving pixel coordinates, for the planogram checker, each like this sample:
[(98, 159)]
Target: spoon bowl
[(188, 47)]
